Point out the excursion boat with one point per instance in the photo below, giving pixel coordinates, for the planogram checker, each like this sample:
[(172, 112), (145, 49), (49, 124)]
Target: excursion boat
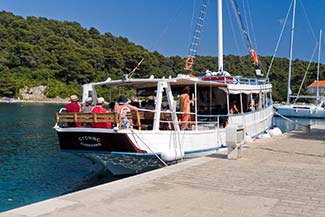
[(147, 144), (155, 139)]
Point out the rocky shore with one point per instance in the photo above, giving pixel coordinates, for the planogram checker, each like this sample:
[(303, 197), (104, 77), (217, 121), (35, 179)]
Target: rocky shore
[(44, 100), (34, 95)]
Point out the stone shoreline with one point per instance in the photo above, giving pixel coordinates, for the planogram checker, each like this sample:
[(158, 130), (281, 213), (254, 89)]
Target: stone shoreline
[(43, 101)]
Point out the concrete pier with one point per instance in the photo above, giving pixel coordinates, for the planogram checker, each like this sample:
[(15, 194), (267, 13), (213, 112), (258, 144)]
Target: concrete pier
[(279, 177)]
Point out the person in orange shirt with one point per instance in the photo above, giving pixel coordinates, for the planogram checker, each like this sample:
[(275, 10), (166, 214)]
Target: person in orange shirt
[(185, 107)]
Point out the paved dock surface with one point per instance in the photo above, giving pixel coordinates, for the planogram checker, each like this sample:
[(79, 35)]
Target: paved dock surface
[(279, 177)]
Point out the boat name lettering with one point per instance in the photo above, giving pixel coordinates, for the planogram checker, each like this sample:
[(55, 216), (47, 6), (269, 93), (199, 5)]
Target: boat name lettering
[(88, 141)]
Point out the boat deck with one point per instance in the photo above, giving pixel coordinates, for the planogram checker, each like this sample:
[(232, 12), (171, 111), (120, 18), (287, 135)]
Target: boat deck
[(282, 176)]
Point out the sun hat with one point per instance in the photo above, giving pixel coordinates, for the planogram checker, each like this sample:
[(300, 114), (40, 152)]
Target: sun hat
[(122, 100), (100, 100), (89, 99), (74, 98)]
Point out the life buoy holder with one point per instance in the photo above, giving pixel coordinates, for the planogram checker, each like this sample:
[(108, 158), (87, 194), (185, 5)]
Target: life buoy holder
[(189, 63), (254, 56)]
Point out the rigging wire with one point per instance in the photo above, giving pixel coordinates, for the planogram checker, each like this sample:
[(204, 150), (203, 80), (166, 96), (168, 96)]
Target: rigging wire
[(245, 33), (196, 36), (279, 40), (303, 80), (165, 30), (252, 25), (245, 18), (233, 33), (241, 25), (309, 23), (159, 38), (192, 21)]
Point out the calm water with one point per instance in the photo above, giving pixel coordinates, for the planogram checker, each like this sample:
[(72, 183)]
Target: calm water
[(32, 168)]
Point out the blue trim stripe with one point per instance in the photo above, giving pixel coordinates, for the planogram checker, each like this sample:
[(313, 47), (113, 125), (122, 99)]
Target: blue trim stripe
[(108, 152), (205, 150), (136, 154)]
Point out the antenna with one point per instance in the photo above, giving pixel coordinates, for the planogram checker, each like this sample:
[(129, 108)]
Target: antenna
[(135, 68)]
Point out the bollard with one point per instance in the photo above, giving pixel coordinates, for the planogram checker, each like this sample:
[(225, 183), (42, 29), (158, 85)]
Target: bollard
[(306, 128), (234, 151)]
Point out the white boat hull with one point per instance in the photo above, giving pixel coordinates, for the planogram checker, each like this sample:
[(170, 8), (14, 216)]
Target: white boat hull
[(145, 148), (254, 122), (301, 111)]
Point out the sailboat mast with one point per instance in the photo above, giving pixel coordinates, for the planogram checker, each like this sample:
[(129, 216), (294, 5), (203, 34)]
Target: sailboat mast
[(220, 38), (318, 64), (290, 54)]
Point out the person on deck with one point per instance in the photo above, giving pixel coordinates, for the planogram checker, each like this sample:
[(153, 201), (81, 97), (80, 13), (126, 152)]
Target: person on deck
[(73, 106), (233, 108), (100, 109), (185, 107), (88, 106), (122, 107)]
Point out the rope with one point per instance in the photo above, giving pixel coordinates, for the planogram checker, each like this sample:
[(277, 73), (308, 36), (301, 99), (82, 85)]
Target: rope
[(290, 119), (159, 158)]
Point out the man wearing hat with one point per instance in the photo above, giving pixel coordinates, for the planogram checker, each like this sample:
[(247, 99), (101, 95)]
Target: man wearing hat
[(88, 106), (100, 109), (73, 106)]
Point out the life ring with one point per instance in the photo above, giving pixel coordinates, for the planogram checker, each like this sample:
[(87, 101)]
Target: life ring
[(254, 56), (189, 63)]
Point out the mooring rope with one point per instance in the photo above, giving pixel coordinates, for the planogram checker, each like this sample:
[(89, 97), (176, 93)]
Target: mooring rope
[(159, 158), (288, 119)]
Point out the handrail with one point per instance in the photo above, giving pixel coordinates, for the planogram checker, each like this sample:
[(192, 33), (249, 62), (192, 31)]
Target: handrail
[(74, 117)]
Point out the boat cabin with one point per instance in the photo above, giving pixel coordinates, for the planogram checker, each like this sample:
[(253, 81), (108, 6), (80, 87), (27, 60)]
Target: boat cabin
[(157, 102)]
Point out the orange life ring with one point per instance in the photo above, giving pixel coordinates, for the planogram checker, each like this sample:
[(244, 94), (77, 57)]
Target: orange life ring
[(189, 63), (254, 56)]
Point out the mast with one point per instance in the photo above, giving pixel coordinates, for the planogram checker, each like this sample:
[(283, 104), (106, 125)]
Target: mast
[(290, 55), (220, 39), (318, 64)]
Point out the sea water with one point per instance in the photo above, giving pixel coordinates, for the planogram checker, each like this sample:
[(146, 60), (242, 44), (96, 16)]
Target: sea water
[(32, 167), (295, 123)]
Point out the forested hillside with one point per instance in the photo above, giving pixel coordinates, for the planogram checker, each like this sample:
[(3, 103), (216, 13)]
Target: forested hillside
[(64, 55)]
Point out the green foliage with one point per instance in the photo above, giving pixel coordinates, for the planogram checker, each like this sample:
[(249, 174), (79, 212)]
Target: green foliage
[(8, 87), (64, 55)]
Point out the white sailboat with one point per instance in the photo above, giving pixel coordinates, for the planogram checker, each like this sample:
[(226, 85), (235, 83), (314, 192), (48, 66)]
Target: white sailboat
[(146, 144), (302, 110)]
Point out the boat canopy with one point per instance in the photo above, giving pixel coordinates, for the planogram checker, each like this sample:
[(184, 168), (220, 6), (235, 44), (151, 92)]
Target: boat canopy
[(152, 82), (237, 88)]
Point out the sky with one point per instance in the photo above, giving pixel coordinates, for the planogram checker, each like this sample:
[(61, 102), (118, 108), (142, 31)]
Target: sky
[(167, 26)]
